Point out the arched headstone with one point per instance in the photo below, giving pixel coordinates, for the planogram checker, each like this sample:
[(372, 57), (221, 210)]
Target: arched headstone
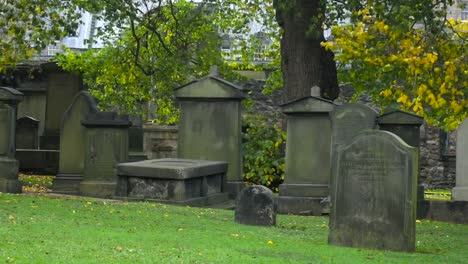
[(373, 196), (72, 144)]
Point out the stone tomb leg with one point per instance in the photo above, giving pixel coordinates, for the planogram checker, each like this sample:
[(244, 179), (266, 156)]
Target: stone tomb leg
[(308, 146), (106, 146), (176, 181), (373, 197), (460, 192), (9, 99), (210, 125), (72, 144)]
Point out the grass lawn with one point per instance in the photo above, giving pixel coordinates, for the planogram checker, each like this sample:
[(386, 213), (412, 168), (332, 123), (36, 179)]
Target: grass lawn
[(43, 229)]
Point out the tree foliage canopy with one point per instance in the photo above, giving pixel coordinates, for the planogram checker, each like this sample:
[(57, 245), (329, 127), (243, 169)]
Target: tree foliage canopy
[(403, 53)]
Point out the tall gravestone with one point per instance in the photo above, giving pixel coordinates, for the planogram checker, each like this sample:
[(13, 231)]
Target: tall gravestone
[(106, 146), (348, 121), (373, 197), (72, 144), (9, 99), (407, 126), (460, 192), (308, 147), (62, 87), (210, 125), (27, 129)]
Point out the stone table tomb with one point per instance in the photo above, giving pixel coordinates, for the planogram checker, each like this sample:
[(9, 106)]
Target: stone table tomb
[(177, 181)]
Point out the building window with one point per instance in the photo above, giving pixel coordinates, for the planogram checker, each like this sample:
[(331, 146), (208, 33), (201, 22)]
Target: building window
[(53, 49), (464, 14)]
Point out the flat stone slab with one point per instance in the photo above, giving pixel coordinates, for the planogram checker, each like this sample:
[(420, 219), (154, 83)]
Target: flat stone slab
[(178, 181), (172, 168)]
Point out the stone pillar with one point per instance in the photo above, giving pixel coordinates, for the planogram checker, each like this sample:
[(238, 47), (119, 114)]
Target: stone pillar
[(460, 192), (407, 126), (106, 145), (308, 155), (9, 99), (210, 125)]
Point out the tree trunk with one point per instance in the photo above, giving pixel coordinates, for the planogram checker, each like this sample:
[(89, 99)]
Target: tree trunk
[(305, 63)]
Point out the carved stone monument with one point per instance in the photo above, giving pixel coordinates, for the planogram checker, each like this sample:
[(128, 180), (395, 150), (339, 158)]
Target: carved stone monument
[(210, 125), (308, 147), (72, 144), (9, 99), (373, 197), (460, 192), (106, 146)]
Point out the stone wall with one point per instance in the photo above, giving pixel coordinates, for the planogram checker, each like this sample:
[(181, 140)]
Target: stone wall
[(437, 158)]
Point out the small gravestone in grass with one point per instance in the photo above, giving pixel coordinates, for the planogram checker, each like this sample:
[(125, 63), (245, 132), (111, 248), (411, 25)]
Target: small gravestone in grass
[(373, 196), (256, 205)]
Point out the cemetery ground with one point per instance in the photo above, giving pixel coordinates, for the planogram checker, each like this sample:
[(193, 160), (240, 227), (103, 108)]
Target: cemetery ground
[(43, 228)]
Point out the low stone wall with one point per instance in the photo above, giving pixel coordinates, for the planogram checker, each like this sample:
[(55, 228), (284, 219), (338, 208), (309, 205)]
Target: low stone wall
[(159, 141)]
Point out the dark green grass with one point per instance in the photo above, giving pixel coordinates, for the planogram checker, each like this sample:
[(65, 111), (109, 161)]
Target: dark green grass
[(40, 229)]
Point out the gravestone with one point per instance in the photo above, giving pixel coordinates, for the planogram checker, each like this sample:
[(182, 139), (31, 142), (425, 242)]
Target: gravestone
[(9, 99), (135, 139), (256, 205), (27, 136), (160, 141), (460, 192), (177, 181), (308, 146), (407, 126), (106, 146), (72, 144), (62, 88), (373, 197), (210, 125), (349, 120)]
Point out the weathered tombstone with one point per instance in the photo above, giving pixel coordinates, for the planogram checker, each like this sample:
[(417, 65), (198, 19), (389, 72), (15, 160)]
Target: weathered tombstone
[(403, 124), (210, 125), (62, 87), (177, 181), (27, 133), (308, 146), (72, 144), (349, 120), (407, 126), (256, 205), (9, 99), (106, 146), (160, 141), (460, 192), (135, 139), (373, 197)]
